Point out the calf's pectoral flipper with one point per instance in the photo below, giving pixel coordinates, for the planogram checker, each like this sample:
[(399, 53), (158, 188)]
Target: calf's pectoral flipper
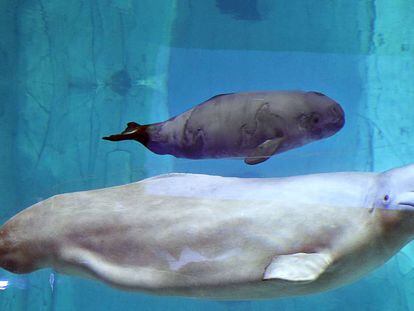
[(264, 151), (299, 267)]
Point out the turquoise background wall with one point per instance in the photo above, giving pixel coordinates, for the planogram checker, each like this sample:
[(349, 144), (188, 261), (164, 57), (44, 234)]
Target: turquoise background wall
[(72, 72)]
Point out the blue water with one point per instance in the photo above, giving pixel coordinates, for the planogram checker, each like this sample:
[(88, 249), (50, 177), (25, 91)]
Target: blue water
[(74, 71)]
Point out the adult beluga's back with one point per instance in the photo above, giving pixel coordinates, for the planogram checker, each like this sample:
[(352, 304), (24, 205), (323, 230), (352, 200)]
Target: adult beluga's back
[(253, 125), (219, 237)]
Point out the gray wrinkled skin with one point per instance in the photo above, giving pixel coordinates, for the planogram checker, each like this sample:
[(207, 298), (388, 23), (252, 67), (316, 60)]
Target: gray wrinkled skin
[(219, 237), (236, 125)]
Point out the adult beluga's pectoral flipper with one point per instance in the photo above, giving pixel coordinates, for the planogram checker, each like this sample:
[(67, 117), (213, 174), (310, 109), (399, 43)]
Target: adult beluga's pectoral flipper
[(264, 151), (299, 267)]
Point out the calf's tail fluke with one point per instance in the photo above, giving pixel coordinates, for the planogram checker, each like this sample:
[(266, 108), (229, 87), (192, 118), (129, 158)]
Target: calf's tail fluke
[(133, 131)]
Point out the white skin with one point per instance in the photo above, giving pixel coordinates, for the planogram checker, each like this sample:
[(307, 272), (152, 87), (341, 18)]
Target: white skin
[(215, 237)]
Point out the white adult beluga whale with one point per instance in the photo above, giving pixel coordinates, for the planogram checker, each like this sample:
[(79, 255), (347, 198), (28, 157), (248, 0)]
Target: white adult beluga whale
[(219, 237)]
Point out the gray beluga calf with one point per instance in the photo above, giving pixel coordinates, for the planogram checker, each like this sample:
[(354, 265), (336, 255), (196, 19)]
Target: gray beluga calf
[(253, 125), (219, 237)]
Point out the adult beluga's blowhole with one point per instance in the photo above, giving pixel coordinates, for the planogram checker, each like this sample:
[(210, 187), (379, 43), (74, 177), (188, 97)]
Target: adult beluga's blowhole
[(168, 235)]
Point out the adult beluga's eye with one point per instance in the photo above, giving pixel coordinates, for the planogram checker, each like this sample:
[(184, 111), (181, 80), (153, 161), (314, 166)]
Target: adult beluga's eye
[(386, 198)]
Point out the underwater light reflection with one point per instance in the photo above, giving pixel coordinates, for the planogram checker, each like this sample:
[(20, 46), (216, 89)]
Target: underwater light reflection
[(4, 284)]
